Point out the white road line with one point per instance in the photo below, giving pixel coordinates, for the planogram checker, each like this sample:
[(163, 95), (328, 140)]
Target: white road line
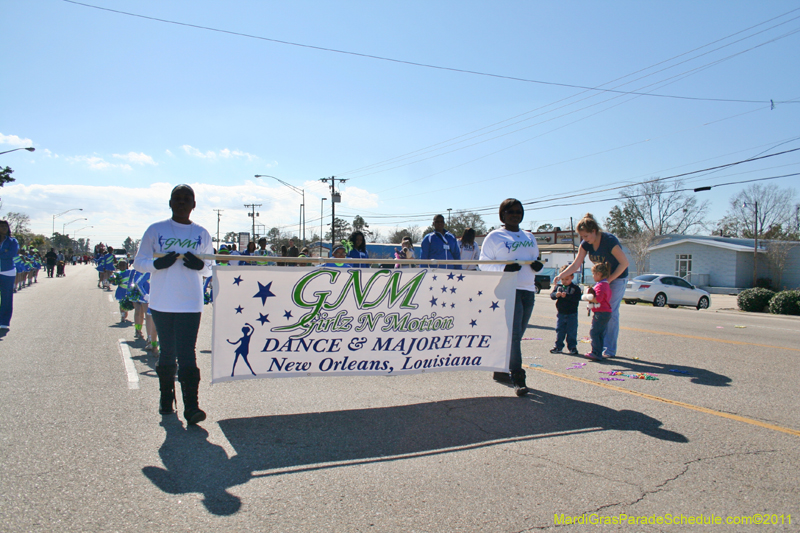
[(111, 298), (130, 369)]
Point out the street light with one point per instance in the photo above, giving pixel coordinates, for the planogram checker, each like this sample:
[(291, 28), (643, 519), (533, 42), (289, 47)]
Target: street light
[(300, 191), (58, 215), (64, 226), (30, 149)]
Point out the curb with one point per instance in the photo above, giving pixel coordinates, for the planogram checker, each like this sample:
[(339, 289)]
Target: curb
[(731, 311)]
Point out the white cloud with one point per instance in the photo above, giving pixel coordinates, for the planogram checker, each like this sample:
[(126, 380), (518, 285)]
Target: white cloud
[(169, 153), (116, 212), (98, 163), (140, 158), (357, 198), (225, 153), (194, 152), (14, 140)]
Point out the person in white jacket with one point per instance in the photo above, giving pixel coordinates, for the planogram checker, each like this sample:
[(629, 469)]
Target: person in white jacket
[(469, 249), (176, 298)]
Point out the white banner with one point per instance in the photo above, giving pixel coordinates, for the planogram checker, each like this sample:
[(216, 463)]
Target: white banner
[(272, 321)]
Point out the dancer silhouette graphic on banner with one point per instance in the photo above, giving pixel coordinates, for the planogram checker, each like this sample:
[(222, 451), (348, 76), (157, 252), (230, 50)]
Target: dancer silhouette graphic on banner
[(244, 347)]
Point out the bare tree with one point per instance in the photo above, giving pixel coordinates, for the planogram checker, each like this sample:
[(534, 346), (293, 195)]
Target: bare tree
[(664, 208), (777, 257), (776, 207), (18, 222), (639, 245)]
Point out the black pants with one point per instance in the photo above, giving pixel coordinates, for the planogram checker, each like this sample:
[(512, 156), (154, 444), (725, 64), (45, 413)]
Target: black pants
[(177, 337)]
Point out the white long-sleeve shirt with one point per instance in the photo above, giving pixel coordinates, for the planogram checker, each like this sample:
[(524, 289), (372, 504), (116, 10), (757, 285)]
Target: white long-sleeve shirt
[(505, 245), (176, 289)]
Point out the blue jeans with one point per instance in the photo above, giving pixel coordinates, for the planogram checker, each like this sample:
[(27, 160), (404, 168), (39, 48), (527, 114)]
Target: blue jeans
[(177, 337), (523, 308), (567, 326), (6, 299), (599, 332), (617, 292)]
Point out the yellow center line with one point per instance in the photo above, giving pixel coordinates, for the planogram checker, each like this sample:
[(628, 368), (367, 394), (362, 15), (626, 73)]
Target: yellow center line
[(709, 339), (671, 402)]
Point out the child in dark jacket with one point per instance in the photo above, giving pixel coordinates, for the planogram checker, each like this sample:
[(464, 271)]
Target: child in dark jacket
[(567, 297), (598, 298)]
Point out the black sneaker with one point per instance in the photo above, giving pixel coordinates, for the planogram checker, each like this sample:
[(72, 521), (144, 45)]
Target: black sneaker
[(556, 350), (502, 377), (574, 351)]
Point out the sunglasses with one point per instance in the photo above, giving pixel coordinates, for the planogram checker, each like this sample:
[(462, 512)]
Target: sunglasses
[(514, 212)]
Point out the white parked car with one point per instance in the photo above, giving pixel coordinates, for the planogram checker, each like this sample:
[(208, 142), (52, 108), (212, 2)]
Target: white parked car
[(663, 289)]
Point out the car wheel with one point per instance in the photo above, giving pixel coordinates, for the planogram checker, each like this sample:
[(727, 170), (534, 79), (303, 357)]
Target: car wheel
[(537, 289), (673, 306), (703, 303), (660, 300)]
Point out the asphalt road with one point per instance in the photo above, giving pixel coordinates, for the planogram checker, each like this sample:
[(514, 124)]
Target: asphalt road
[(84, 449)]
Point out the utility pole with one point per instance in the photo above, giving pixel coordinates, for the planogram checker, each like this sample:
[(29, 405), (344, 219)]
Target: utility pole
[(253, 215), (755, 246), (448, 216), (218, 216), (335, 197)]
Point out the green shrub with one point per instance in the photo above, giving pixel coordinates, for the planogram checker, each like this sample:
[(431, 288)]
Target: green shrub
[(785, 303), (754, 300), (764, 283)]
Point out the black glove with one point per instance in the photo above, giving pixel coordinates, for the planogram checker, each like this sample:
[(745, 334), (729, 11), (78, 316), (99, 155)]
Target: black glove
[(537, 266), (166, 261), (513, 267), (192, 261)]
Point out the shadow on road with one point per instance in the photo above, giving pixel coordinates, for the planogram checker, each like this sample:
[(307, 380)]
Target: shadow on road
[(699, 376), (315, 441)]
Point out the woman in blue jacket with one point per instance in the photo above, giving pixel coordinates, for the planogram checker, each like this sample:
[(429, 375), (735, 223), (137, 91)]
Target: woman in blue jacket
[(9, 248)]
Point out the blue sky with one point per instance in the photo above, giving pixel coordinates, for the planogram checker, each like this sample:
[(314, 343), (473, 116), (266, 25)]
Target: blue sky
[(121, 108)]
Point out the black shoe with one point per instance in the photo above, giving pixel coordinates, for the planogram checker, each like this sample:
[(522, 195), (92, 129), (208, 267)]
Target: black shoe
[(518, 378), (573, 351), (556, 350), (502, 377), (190, 381)]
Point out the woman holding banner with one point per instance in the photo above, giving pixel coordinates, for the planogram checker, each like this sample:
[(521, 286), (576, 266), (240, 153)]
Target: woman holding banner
[(510, 243), (176, 298)]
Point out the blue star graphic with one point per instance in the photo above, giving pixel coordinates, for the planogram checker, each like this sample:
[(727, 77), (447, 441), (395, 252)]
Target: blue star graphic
[(473, 323), (264, 292), (239, 310), (451, 275), (470, 299), (452, 306), (263, 318), (237, 280), (444, 304), (480, 310), (287, 315), (460, 277), (480, 293), (444, 289), (430, 288), (434, 278), (433, 302), (494, 306), (452, 290)]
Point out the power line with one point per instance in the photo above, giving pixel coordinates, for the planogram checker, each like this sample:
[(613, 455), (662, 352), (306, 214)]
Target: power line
[(413, 63)]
